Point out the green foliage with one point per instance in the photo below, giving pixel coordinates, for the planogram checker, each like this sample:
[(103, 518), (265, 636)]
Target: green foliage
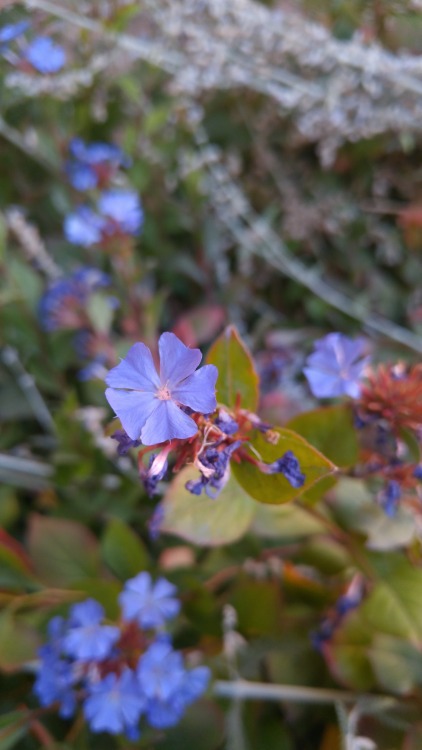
[(202, 520)]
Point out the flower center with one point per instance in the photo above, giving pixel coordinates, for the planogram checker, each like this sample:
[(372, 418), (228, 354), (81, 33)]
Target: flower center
[(163, 393)]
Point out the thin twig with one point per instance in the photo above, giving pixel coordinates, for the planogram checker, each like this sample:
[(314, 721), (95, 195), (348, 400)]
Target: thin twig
[(245, 690)]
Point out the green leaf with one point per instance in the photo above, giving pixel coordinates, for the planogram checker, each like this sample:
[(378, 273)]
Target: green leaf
[(202, 520), (331, 431), (285, 522), (274, 488), (13, 726), (123, 551), (62, 551), (100, 312), (202, 726), (354, 508), (237, 377), (18, 642), (257, 605), (394, 605)]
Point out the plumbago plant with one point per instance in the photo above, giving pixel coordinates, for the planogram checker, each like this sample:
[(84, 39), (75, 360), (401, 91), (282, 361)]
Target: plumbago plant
[(210, 510)]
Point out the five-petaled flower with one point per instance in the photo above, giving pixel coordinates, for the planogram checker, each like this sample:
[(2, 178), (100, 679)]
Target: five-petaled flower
[(149, 404), (336, 366)]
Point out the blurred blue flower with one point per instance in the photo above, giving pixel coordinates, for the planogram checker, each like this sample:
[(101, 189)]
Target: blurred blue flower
[(115, 704), (86, 638), (147, 404), (56, 677), (119, 212), (147, 603), (167, 686), (122, 210), (61, 304), (12, 30), (93, 164), (336, 366), (45, 55), (84, 227)]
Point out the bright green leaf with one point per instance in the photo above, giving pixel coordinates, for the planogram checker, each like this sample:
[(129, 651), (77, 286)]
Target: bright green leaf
[(202, 520), (237, 377), (274, 488)]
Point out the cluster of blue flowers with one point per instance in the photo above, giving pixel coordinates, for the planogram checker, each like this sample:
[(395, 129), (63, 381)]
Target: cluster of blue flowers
[(41, 54), (119, 673), (65, 304), (117, 213)]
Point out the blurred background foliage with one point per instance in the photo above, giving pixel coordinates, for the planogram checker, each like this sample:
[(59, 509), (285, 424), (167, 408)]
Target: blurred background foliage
[(224, 162)]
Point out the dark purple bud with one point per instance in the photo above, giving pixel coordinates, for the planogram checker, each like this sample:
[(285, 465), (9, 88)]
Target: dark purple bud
[(389, 498), (196, 486), (124, 442), (417, 473), (289, 466), (225, 423), (154, 523)]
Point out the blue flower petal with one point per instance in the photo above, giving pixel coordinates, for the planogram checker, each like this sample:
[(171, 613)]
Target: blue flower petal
[(166, 422), (136, 371), (133, 409), (198, 390), (177, 361)]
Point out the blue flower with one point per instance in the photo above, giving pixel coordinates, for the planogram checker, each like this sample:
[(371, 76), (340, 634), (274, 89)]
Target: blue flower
[(115, 704), (86, 638), (336, 366), (93, 163), (150, 605), (122, 210), (56, 677), (148, 404), (84, 227), (118, 212), (168, 687), (54, 682), (12, 30), (289, 466), (45, 55)]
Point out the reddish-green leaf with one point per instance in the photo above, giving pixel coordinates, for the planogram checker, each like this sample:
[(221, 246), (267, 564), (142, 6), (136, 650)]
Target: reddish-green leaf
[(62, 551)]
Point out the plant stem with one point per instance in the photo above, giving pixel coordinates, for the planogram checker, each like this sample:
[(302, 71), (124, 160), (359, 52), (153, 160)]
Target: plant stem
[(244, 690)]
